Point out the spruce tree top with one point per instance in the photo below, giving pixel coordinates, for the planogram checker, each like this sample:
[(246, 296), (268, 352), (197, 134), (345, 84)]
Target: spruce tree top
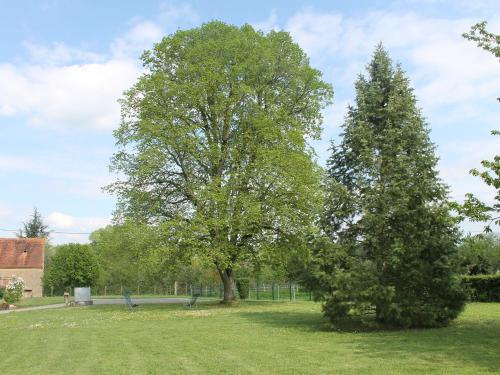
[(384, 132), (34, 228)]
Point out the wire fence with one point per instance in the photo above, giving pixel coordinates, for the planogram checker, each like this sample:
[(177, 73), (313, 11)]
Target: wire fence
[(276, 291)]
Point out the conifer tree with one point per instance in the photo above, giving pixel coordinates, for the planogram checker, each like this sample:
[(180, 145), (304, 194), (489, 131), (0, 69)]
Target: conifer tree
[(387, 212), (34, 228)]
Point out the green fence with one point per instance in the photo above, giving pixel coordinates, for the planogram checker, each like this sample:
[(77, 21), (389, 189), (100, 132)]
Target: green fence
[(277, 291)]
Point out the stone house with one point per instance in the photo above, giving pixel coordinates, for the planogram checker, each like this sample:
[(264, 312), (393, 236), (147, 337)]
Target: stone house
[(23, 257)]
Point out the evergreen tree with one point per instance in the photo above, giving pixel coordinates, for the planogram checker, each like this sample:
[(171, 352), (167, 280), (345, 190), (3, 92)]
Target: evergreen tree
[(34, 228), (394, 239)]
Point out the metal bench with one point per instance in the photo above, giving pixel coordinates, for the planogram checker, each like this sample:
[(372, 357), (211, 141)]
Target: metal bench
[(193, 301), (130, 304)]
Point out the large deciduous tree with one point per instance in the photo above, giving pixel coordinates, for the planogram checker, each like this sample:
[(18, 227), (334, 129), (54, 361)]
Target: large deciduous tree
[(213, 141), (387, 212)]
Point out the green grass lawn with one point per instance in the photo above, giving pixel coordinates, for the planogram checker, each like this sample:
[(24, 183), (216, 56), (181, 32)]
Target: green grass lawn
[(39, 301), (252, 338)]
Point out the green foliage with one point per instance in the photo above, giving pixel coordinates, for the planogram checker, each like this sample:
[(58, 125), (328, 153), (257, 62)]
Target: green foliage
[(387, 212), (213, 143), (72, 265), (2, 291), (484, 39), (243, 286), (484, 288), (473, 208), (132, 255), (34, 228), (122, 251), (480, 254), (14, 290)]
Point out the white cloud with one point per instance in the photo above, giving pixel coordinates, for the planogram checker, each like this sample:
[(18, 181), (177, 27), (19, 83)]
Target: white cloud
[(64, 87), (75, 96), (317, 33), (62, 221), (445, 68), (140, 37), (172, 15), (144, 33), (271, 23), (59, 53), (59, 221), (59, 174), (458, 158), (75, 229)]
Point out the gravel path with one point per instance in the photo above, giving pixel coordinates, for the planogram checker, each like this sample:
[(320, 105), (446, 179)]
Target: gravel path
[(44, 307)]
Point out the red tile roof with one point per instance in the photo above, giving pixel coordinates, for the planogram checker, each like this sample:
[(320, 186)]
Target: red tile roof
[(22, 252)]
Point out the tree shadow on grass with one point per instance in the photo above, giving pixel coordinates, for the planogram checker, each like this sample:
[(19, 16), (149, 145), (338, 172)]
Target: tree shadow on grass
[(468, 342), (302, 321), (465, 341)]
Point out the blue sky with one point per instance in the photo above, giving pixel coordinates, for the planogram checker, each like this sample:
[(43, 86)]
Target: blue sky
[(64, 64)]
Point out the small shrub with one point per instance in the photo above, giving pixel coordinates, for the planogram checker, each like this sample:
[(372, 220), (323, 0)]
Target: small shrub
[(2, 291), (243, 286), (483, 288), (14, 290)]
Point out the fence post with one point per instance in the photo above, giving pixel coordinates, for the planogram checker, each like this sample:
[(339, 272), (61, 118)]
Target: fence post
[(105, 290), (278, 292), (175, 288), (272, 290), (257, 290), (290, 289)]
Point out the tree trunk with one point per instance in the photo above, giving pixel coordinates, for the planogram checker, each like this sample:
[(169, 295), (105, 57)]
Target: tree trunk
[(227, 277)]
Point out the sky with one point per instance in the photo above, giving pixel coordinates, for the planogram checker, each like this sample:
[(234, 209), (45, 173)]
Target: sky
[(64, 65)]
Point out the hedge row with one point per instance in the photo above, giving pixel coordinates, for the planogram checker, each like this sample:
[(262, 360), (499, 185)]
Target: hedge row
[(483, 288)]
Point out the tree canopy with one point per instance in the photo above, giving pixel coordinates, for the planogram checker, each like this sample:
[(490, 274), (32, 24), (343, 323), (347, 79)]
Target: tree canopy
[(72, 265), (214, 142)]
